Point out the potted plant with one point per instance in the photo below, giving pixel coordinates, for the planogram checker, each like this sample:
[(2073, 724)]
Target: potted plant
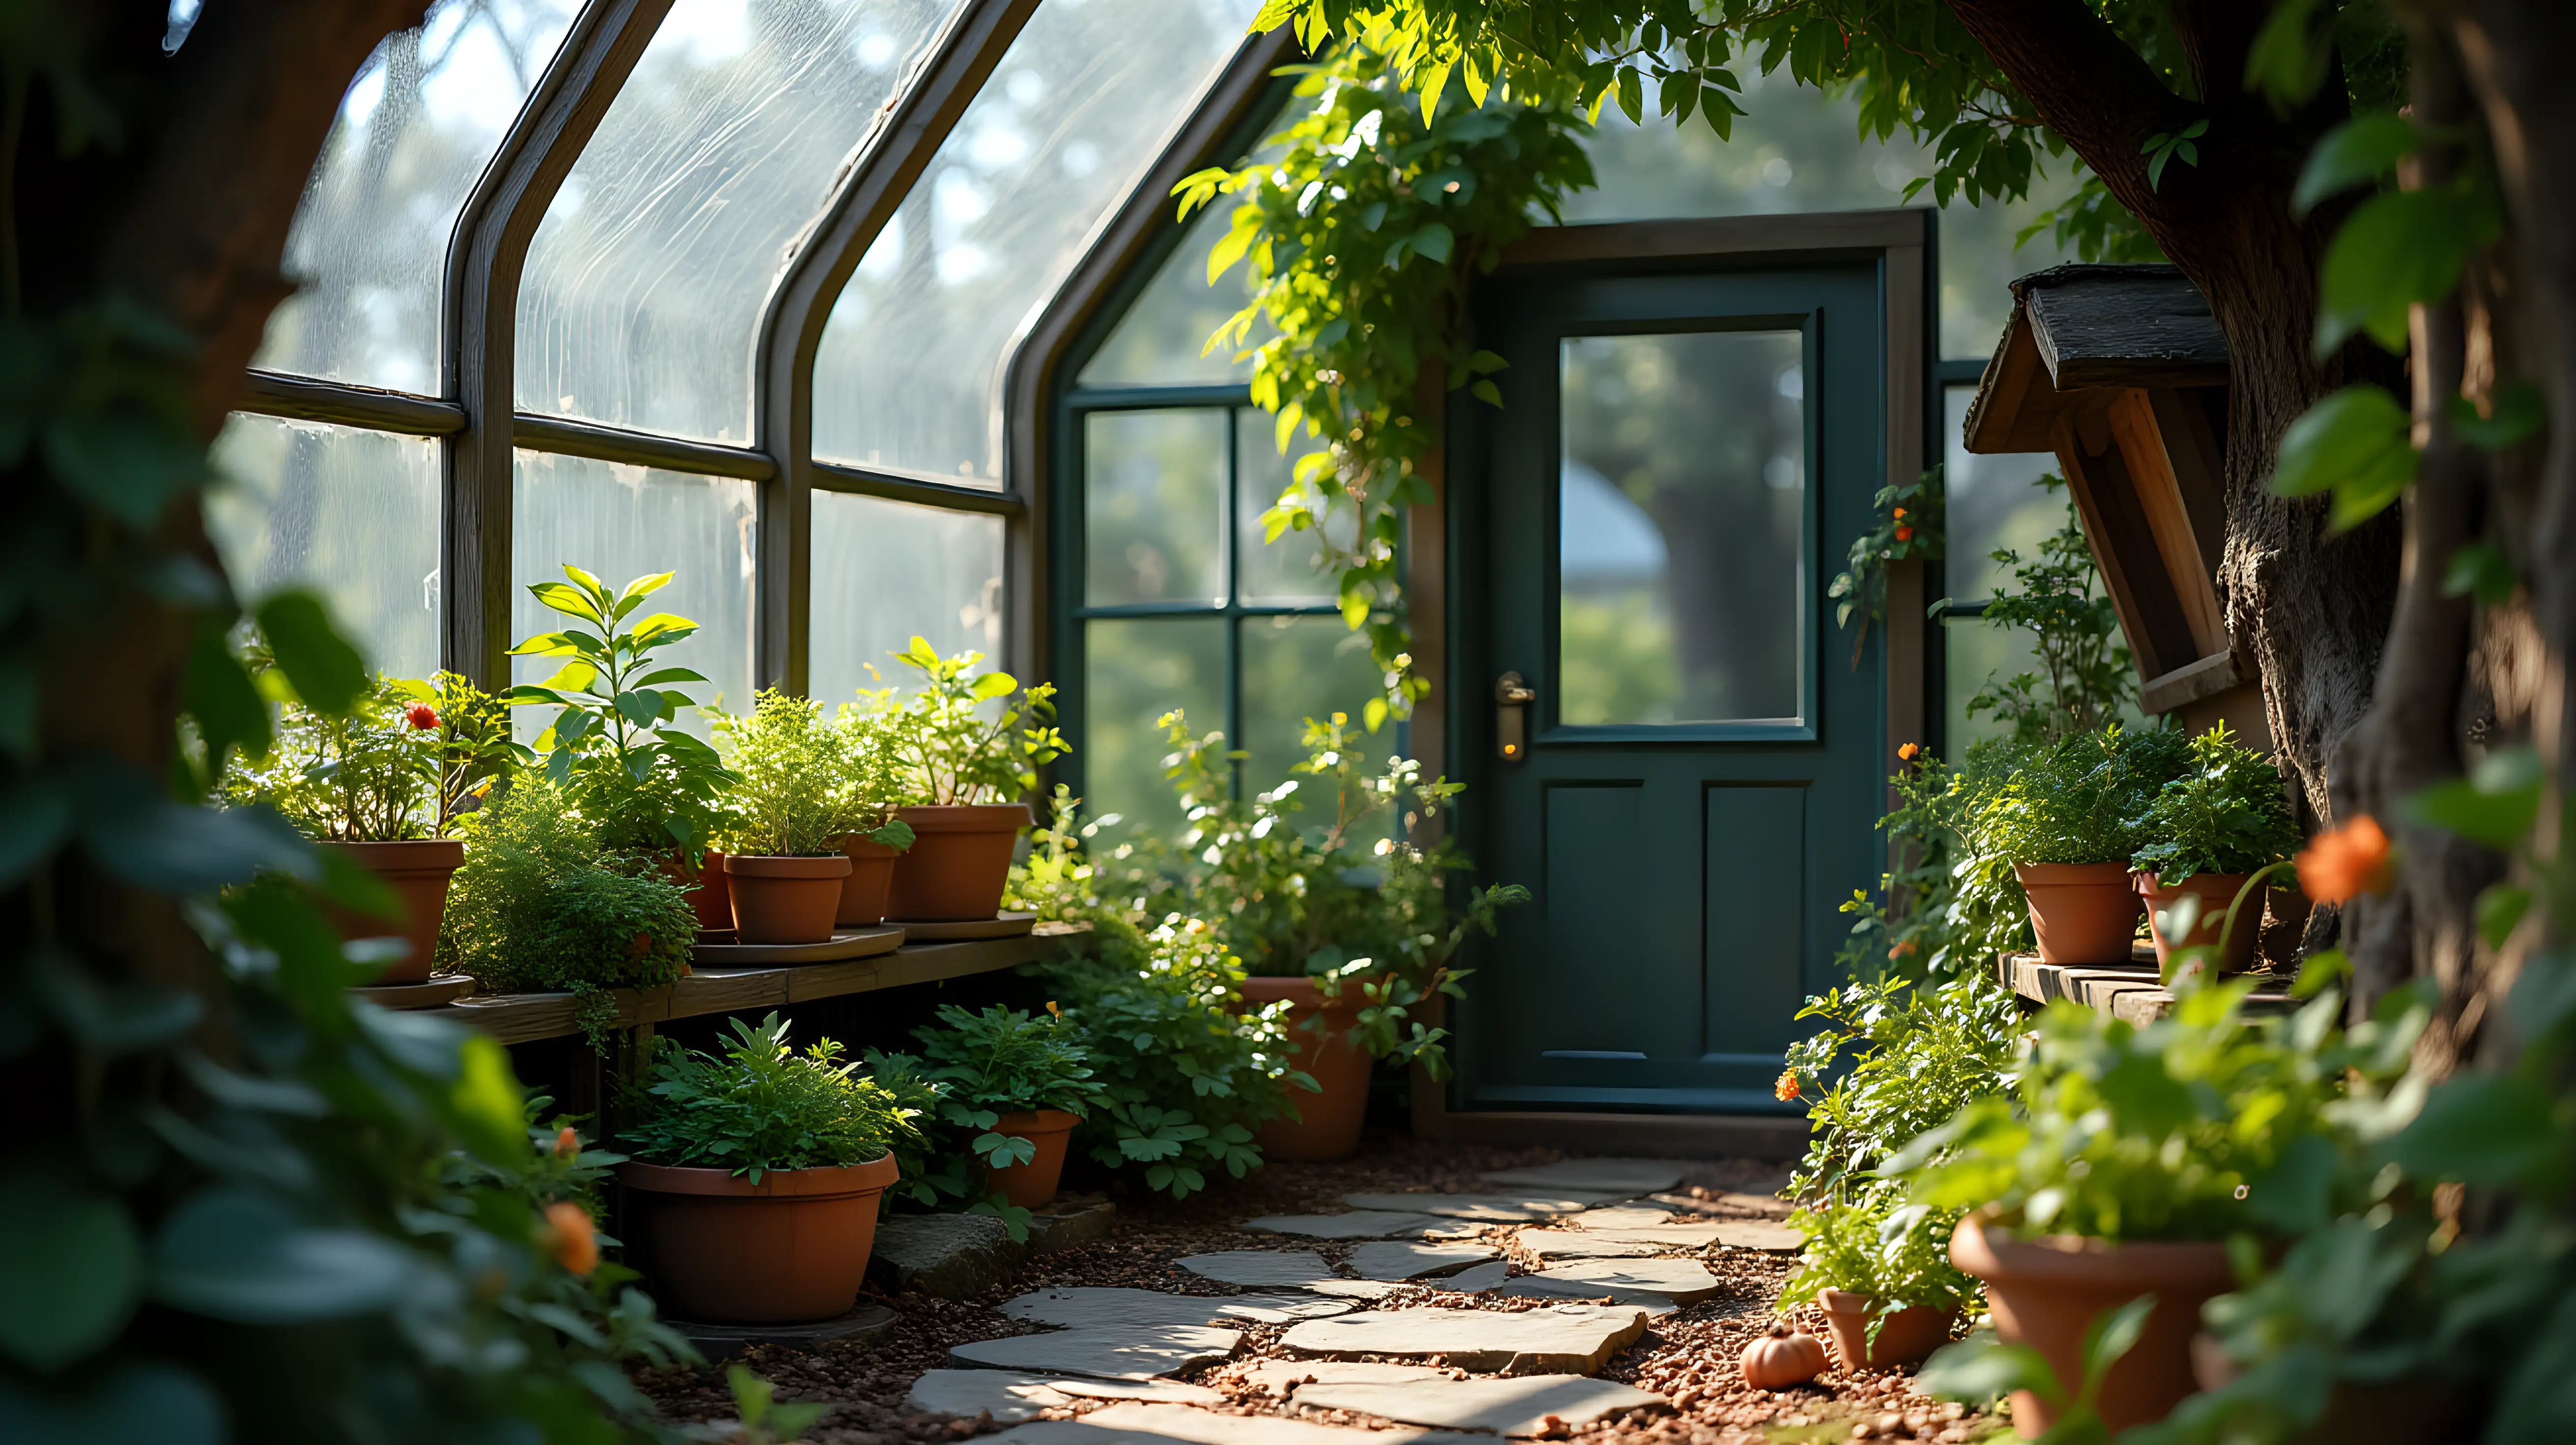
[(968, 751), (1343, 925), (755, 1175), (384, 785), (2225, 818), (646, 785), (541, 906), (791, 813), (868, 747), (2122, 1161), (1881, 1270), (1022, 1082), (2062, 821)]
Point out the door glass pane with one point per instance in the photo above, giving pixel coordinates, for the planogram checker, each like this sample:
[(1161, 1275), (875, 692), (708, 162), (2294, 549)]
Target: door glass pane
[(909, 377), (1284, 571), (1682, 499), (623, 522), (645, 280), (416, 129), (1152, 481), (886, 572), (351, 514), (1137, 670), (1994, 501), (1295, 668)]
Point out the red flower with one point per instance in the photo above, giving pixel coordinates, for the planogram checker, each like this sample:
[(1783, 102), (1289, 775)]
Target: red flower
[(1787, 1088), (1904, 534), (574, 1242), (422, 716), (2344, 863)]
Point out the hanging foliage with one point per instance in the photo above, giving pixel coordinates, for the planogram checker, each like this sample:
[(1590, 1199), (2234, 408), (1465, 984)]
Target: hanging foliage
[(1361, 238)]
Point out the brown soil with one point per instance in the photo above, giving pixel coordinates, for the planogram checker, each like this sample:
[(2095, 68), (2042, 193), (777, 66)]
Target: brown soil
[(1688, 1356)]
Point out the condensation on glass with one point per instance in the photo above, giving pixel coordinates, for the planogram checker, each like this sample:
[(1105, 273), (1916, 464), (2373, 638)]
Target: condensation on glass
[(619, 523), (645, 282), (886, 572), (1680, 544), (1134, 671), (910, 373), (416, 129), (351, 515), (1153, 484)]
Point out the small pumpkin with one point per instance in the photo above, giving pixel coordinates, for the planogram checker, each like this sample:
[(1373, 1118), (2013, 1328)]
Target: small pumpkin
[(1783, 1358)]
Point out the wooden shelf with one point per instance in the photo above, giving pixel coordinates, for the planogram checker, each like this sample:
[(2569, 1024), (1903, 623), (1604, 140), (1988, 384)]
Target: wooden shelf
[(2130, 991), (518, 1018)]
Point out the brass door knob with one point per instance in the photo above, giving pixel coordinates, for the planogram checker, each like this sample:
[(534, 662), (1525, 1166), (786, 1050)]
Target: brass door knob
[(1512, 698)]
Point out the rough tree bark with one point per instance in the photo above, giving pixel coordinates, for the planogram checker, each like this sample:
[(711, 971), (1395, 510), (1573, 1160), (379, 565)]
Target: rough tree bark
[(2312, 608)]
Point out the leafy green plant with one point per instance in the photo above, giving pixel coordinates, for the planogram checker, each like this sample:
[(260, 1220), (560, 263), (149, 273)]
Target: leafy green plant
[(1366, 295), (540, 907), (868, 746), (1909, 527), (2075, 800), (615, 742), (791, 792), (765, 1419), (1898, 1254), (2057, 600), (2228, 813), (959, 739), (471, 749), (1893, 1061), (1982, 1368), (365, 774), (1950, 906), (1004, 1061), (762, 1106)]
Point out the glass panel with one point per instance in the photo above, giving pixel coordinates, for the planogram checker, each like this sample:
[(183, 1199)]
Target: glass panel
[(415, 131), (910, 373), (1285, 571), (1979, 654), (1680, 541), (623, 522), (1295, 668), (1994, 501), (1158, 342), (1137, 670), (1151, 484), (351, 514), (1794, 151), (645, 281), (886, 572)]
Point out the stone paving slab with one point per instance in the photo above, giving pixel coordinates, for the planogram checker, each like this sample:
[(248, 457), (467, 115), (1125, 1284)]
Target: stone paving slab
[(1165, 1424), (1759, 1234), (1514, 1405), (1761, 1204), (1620, 1216), (1516, 1207), (1680, 1280), (1531, 1286), (1401, 1222), (1293, 1268), (1281, 1376), (1563, 1340), (1011, 1396), (1594, 1176), (1570, 1244), (1138, 1352), (1389, 1259), (1103, 1307), (1477, 1280), (1371, 1289), (1685, 1236)]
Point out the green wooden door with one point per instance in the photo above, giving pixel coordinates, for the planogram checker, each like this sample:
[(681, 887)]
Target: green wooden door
[(1645, 534)]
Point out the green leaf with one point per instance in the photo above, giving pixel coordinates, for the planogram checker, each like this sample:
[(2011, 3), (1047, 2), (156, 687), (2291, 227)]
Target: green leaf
[(2499, 911), (2494, 806), (558, 644), (1434, 240), (327, 672), (1486, 392), (2357, 152), (1981, 1368), (2399, 248), (660, 629), (71, 1271), (570, 601), (2354, 442), (217, 691), (641, 706), (2515, 416), (995, 684), (485, 1103), (229, 1255), (2482, 1130), (2480, 569), (662, 675)]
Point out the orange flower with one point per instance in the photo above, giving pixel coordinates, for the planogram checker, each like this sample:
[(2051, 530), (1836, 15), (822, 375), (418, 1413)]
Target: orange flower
[(1900, 512), (575, 1243), (1900, 949), (1787, 1088), (567, 1143), (1910, 751), (2344, 863)]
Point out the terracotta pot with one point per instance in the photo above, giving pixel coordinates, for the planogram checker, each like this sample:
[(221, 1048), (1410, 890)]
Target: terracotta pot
[(1032, 1185), (863, 893), (958, 864), (705, 885), (418, 871), (785, 900), (1329, 1126), (723, 1250), (2409, 1410), (2046, 1292), (2216, 891), (2082, 912), (1904, 1337)]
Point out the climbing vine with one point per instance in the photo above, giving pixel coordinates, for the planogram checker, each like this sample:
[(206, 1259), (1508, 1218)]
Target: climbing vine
[(1361, 238)]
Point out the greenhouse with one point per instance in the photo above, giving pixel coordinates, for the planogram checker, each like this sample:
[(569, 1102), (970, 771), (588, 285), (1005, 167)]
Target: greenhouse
[(1286, 722)]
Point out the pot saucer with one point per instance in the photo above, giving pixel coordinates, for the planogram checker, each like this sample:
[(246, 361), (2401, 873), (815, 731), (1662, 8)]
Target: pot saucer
[(1000, 925), (431, 994), (844, 944)]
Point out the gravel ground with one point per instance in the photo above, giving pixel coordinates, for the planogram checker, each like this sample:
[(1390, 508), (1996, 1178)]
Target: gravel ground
[(1688, 1356)]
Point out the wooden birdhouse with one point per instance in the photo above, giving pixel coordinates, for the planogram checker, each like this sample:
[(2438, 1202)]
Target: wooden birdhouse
[(2121, 372)]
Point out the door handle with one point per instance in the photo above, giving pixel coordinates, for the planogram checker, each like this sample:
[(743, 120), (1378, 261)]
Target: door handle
[(1512, 698)]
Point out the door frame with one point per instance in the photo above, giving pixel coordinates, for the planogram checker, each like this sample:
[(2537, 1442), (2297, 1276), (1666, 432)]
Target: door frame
[(1903, 244)]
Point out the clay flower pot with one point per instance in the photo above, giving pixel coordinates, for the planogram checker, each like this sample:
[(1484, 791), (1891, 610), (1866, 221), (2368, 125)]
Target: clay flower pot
[(1032, 1185), (785, 900), (2082, 912), (723, 1250), (959, 861), (863, 893), (704, 884), (418, 871), (2216, 892), (2045, 1293), (1329, 1126), (1905, 1337)]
